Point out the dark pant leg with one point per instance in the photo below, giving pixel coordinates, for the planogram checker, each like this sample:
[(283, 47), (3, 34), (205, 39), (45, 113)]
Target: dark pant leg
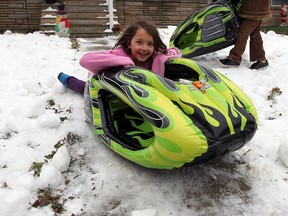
[(76, 85), (246, 28), (257, 52)]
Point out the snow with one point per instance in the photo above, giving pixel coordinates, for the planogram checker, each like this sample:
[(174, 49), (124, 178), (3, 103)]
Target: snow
[(45, 144), (50, 9)]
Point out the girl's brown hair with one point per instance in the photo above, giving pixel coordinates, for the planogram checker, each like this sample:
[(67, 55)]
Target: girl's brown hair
[(130, 32)]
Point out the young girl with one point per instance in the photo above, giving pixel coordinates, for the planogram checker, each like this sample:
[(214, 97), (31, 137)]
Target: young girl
[(139, 45)]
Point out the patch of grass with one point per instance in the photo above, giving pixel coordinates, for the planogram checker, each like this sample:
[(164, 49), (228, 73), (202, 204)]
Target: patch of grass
[(276, 28), (6, 136), (59, 144), (36, 167), (45, 198), (74, 43), (275, 91)]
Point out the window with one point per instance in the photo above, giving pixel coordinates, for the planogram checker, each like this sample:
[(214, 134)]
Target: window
[(279, 2)]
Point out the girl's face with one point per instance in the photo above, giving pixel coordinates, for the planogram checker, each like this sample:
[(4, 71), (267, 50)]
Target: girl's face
[(142, 47)]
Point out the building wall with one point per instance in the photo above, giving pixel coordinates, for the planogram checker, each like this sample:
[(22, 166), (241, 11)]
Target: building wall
[(24, 15), (162, 12), (275, 19), (20, 15), (167, 12)]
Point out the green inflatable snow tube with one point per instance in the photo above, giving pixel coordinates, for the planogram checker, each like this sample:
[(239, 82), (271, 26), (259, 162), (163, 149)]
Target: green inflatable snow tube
[(209, 29), (190, 116)]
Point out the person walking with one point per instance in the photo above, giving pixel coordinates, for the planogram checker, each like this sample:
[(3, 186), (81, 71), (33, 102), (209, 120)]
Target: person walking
[(251, 14)]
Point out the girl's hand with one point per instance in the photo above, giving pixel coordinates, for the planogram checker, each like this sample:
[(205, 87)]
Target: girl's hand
[(174, 52)]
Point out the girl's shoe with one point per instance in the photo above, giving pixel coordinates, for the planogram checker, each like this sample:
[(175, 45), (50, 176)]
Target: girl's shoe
[(63, 78)]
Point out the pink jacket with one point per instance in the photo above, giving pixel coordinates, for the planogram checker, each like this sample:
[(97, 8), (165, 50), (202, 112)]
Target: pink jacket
[(97, 61)]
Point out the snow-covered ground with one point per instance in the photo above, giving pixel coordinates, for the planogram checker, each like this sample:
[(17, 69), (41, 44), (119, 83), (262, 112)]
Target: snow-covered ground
[(50, 159)]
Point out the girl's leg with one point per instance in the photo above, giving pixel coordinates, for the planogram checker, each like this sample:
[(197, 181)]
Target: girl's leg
[(76, 85), (72, 82)]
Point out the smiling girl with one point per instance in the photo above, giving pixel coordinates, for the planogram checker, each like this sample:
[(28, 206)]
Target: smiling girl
[(139, 45)]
